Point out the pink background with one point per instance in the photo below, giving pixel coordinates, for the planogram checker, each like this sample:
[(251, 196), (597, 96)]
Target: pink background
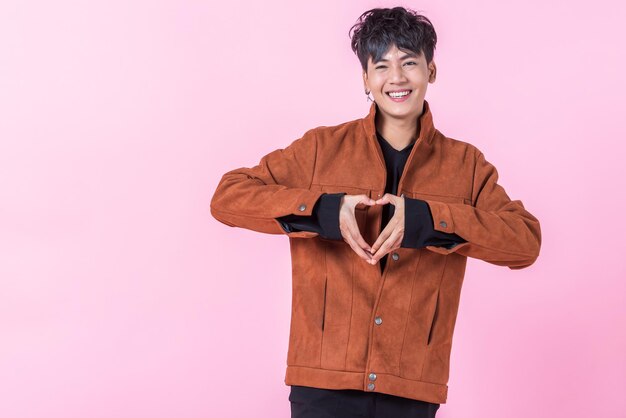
[(120, 295)]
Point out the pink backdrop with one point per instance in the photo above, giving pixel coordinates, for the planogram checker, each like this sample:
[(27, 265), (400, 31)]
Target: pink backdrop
[(120, 296)]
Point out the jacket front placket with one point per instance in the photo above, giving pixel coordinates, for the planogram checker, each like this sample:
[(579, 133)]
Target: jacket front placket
[(418, 152), (413, 161)]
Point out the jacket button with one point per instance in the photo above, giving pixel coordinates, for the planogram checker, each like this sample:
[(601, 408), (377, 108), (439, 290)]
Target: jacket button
[(395, 256), (302, 207), (443, 224), (371, 386), (372, 376), (378, 320)]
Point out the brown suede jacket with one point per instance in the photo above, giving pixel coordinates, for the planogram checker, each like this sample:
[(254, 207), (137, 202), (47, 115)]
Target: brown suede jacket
[(353, 326)]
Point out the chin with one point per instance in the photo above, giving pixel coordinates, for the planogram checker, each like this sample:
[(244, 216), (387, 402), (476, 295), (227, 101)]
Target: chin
[(399, 109)]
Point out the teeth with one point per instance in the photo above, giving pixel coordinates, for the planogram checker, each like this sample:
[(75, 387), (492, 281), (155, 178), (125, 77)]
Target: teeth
[(398, 95)]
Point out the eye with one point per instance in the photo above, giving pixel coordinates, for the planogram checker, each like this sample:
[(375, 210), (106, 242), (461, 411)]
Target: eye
[(381, 66), (412, 62)]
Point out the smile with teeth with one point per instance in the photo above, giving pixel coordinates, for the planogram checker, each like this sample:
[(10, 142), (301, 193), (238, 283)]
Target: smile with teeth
[(398, 94)]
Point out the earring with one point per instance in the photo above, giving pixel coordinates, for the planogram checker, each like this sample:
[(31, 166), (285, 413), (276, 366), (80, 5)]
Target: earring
[(369, 99)]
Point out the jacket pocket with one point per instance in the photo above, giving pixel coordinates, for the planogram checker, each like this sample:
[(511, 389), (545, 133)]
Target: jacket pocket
[(438, 198), (324, 302), (433, 318), (336, 188)]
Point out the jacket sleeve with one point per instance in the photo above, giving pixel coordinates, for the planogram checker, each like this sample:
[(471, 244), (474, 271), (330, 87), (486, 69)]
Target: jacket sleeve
[(324, 220), (419, 230), (278, 185), (498, 230)]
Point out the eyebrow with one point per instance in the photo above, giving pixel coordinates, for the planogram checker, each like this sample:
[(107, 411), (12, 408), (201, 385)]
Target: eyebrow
[(411, 55)]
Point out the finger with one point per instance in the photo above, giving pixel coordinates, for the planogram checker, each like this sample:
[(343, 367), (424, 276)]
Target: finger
[(381, 238), (366, 200), (384, 249), (354, 226), (384, 235), (394, 241), (391, 242), (383, 200), (397, 240), (355, 234), (352, 235), (358, 250), (389, 198), (361, 241)]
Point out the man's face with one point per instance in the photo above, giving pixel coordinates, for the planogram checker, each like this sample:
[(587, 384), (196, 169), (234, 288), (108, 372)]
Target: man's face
[(399, 71)]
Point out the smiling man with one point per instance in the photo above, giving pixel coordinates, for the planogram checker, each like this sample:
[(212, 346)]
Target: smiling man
[(372, 337), (398, 82)]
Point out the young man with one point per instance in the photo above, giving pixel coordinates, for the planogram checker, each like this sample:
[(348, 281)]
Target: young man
[(368, 338)]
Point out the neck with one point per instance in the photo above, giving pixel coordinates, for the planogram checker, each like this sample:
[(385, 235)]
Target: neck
[(398, 132)]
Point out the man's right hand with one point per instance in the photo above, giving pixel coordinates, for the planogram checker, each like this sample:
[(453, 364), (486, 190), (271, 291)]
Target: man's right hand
[(349, 227)]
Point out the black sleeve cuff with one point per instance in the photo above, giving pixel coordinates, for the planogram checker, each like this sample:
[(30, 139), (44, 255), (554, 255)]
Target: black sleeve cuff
[(419, 230), (328, 215)]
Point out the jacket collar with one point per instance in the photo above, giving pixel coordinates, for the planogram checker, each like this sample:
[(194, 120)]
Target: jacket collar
[(427, 128)]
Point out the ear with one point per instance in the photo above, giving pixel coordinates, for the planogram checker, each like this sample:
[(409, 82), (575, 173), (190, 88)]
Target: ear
[(432, 69), (365, 80)]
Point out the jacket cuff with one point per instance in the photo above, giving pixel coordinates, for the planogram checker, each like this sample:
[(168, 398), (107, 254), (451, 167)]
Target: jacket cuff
[(442, 216), (419, 229), (323, 219)]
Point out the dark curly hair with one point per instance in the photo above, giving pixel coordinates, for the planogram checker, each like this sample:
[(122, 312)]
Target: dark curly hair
[(378, 29)]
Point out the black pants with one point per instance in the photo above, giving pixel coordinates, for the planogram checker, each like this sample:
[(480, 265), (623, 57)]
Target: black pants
[(309, 402)]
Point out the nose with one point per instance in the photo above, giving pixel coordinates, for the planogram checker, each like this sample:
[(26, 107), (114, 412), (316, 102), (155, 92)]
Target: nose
[(396, 75)]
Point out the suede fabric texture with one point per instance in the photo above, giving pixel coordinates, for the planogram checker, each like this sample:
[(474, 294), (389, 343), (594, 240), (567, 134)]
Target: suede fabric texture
[(353, 326)]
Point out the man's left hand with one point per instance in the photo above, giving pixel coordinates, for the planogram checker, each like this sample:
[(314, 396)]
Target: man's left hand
[(391, 237)]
